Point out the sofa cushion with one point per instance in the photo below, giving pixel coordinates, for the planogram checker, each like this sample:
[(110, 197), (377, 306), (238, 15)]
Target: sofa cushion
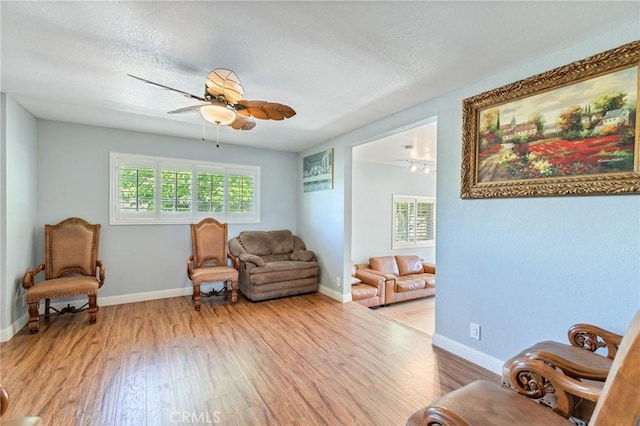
[(409, 284), (386, 264), (281, 241), (255, 242), (409, 265)]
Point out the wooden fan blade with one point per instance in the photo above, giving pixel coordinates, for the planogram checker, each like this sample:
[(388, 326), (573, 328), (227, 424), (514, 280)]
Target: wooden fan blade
[(224, 82), (186, 109), (243, 123), (188, 95), (265, 110)]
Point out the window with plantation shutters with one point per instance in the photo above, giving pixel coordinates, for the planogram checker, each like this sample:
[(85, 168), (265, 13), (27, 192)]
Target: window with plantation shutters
[(211, 189), (175, 188), (152, 190), (413, 221), (241, 193)]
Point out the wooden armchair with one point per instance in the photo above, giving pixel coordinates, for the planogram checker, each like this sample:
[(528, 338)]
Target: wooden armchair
[(71, 267), (481, 402), (578, 360), (208, 261)]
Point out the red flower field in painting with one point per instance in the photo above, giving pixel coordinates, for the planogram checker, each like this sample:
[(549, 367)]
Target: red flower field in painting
[(591, 155), (556, 158)]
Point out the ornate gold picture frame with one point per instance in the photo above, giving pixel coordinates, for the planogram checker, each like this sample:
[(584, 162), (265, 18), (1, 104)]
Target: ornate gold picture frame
[(569, 131)]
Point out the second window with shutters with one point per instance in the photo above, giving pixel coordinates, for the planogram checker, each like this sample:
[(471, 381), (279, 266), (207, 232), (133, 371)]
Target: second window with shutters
[(414, 221)]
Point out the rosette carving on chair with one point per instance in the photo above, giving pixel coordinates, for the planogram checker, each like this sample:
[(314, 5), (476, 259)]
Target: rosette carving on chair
[(592, 338), (532, 384), (535, 379)]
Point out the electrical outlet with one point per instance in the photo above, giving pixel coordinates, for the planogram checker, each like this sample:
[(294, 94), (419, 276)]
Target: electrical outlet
[(338, 282), (474, 331)]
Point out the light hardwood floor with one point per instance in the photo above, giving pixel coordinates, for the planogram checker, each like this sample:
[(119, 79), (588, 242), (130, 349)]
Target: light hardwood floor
[(419, 313), (305, 360)]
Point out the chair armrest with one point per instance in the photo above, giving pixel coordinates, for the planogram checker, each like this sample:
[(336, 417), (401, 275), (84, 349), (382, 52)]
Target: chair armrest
[(535, 379), (234, 260), (568, 367), (591, 338), (190, 266), (369, 278), (100, 272), (28, 279), (251, 258), (429, 268), (302, 256)]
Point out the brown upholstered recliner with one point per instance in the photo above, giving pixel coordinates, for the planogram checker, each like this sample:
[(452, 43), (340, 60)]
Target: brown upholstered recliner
[(208, 261), (273, 264), (578, 360), (407, 277), (71, 267), (481, 402), (367, 288)]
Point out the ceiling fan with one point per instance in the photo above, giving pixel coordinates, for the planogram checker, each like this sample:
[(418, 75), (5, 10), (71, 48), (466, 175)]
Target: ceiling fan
[(223, 104)]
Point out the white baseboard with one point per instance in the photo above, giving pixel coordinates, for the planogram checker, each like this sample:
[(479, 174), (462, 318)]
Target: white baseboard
[(340, 297), (472, 355), (9, 332)]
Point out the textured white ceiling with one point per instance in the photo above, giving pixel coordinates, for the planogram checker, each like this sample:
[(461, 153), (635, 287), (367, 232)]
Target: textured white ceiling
[(340, 65)]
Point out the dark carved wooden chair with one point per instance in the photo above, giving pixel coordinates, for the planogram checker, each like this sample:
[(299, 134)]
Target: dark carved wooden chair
[(578, 360), (208, 261), (481, 402), (19, 421), (71, 268)]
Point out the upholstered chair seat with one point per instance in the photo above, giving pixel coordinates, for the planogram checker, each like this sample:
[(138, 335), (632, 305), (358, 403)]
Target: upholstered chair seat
[(64, 287)]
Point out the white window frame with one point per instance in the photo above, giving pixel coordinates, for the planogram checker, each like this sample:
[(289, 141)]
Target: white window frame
[(415, 199), (118, 217)]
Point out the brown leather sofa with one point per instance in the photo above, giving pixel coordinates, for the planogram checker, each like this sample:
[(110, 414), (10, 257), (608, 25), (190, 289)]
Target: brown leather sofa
[(273, 264), (367, 288), (406, 277)]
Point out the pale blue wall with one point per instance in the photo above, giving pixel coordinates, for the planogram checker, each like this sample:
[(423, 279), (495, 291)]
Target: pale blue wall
[(19, 192), (73, 180), (373, 188), (525, 269)]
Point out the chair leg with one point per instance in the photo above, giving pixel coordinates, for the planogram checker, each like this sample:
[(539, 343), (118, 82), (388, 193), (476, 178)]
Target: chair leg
[(196, 296), (47, 308), (93, 308), (234, 291), (34, 317)]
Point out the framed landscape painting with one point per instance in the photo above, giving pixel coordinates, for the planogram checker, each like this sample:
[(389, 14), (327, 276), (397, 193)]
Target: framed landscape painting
[(569, 131)]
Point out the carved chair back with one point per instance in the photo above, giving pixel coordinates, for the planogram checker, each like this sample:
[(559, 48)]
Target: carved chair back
[(71, 247), (209, 243)]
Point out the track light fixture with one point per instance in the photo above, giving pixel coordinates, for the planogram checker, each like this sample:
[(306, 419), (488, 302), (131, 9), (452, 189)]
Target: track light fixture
[(413, 166)]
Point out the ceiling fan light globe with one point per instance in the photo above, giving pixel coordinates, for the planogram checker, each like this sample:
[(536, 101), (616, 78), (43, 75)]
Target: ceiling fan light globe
[(218, 114)]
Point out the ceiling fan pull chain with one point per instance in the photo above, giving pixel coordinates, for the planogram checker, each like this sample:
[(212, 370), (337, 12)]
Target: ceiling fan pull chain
[(203, 130), (217, 136)]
